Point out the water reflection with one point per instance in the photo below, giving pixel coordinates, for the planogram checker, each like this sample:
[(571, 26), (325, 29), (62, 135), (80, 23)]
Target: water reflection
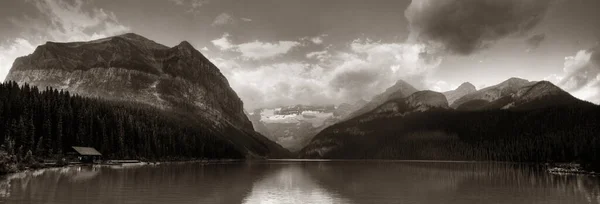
[(291, 184), (300, 182)]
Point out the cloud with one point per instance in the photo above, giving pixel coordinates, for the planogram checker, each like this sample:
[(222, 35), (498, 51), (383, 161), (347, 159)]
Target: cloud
[(466, 26), (371, 67), (280, 84), (59, 20), (317, 40), (440, 86), (534, 41), (9, 52), (359, 71), (261, 50), (246, 19), (223, 19), (255, 50), (581, 75), (66, 21), (193, 5), (223, 43), (322, 56)]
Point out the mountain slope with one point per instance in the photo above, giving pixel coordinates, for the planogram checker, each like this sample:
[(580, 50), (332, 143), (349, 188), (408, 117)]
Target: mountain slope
[(130, 67), (400, 89), (533, 95), (50, 122), (543, 124), (462, 90), (492, 93)]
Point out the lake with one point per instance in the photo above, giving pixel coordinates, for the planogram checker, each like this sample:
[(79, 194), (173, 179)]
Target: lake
[(301, 182)]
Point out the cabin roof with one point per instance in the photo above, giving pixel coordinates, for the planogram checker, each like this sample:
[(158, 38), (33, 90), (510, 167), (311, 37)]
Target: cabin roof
[(87, 151)]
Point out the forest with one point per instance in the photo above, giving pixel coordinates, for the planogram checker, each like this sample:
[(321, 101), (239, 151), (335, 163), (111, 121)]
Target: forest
[(46, 123), (553, 134)]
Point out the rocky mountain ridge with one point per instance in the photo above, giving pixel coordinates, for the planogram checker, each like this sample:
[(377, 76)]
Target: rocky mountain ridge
[(492, 93), (423, 126), (130, 67), (400, 89), (462, 90)]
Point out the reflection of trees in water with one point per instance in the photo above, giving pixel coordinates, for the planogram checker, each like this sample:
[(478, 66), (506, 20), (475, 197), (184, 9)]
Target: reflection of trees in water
[(181, 183), (426, 182), (43, 180), (329, 182)]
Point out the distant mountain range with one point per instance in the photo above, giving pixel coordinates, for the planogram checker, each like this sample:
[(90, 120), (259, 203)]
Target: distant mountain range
[(294, 126), (130, 67), (516, 120), (462, 90)]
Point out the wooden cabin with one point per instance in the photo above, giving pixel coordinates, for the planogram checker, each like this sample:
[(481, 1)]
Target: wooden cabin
[(87, 154)]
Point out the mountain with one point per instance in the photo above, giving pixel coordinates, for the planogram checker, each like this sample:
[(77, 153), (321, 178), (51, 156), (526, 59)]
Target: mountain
[(492, 93), (130, 67), (532, 95), (420, 101), (38, 124), (345, 109), (462, 90), (400, 89), (293, 126), (536, 122)]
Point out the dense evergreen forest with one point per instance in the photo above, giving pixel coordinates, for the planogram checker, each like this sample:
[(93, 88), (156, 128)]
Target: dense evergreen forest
[(46, 123), (555, 134)]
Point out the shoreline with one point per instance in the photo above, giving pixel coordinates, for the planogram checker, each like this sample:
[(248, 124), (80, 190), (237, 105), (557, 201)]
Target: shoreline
[(569, 169), (38, 166), (552, 168)]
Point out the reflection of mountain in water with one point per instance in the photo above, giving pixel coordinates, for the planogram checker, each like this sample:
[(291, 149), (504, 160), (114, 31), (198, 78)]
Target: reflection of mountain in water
[(433, 182), (290, 184), (297, 182)]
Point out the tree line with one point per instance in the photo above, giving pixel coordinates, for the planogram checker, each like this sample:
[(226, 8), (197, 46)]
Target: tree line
[(46, 123), (553, 134)]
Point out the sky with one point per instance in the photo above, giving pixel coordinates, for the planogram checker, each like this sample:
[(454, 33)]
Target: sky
[(316, 52)]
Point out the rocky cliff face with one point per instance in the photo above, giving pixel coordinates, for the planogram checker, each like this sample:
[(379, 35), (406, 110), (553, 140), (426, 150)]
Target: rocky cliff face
[(130, 67), (425, 100)]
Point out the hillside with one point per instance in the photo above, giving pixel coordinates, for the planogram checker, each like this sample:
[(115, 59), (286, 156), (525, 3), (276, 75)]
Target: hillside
[(48, 122), (131, 68), (536, 127)]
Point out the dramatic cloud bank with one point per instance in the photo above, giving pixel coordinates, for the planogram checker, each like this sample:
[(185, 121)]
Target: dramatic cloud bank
[(59, 20), (329, 76), (466, 26), (581, 75)]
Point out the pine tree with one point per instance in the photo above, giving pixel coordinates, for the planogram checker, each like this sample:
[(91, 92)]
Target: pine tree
[(58, 146)]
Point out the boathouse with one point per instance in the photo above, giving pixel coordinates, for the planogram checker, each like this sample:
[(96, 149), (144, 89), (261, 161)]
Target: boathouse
[(87, 154)]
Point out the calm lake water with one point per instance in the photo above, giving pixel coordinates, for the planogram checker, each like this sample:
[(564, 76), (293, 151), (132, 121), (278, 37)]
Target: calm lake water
[(301, 182)]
